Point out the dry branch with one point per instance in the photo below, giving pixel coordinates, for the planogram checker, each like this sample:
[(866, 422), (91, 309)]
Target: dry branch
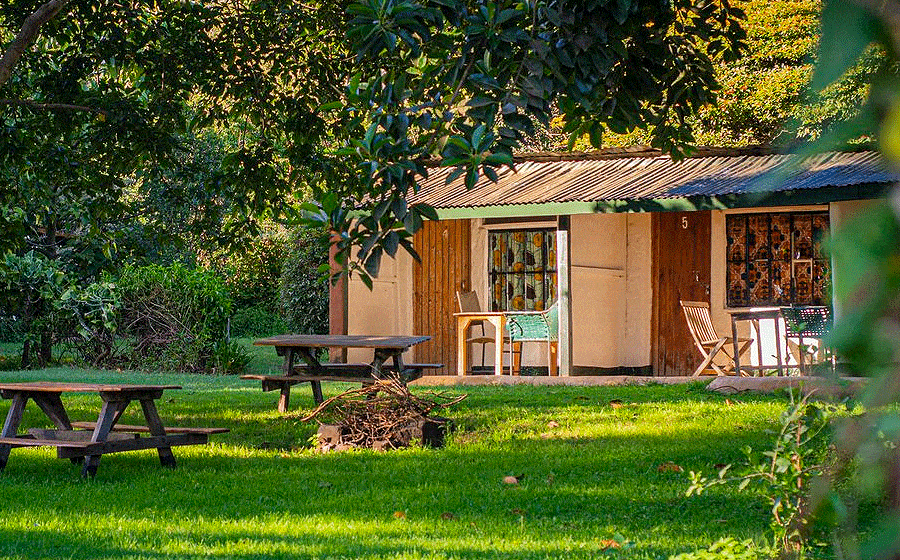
[(381, 413)]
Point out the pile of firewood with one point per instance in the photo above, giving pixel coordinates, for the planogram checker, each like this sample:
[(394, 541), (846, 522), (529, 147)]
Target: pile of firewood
[(384, 415)]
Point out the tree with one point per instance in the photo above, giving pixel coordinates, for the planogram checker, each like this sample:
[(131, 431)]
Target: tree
[(765, 98), (467, 82), (351, 98)]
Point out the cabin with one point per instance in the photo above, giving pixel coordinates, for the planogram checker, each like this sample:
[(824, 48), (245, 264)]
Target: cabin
[(617, 237)]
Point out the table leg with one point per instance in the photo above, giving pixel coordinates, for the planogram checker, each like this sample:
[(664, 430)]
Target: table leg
[(110, 411), (759, 351), (151, 415), (397, 357), (736, 346), (284, 400), (13, 419), (498, 323), (308, 355), (778, 349), (462, 349), (53, 407)]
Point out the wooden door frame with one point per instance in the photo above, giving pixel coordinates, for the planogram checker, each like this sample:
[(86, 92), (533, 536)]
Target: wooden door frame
[(655, 249)]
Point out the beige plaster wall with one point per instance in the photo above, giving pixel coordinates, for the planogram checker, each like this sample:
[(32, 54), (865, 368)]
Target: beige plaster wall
[(387, 308), (611, 291)]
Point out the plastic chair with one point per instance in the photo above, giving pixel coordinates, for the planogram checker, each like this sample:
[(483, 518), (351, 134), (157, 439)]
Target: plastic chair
[(708, 341), (533, 326), (812, 323)]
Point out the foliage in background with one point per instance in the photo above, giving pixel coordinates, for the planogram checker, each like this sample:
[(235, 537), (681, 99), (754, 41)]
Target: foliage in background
[(765, 96), (10, 326), (31, 284), (304, 286), (866, 256), (154, 317), (252, 270)]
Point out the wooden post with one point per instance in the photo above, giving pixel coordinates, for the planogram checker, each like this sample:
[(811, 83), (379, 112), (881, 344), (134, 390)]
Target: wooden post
[(564, 285), (337, 304)]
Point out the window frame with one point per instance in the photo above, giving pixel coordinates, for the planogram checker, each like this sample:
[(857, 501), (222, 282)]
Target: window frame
[(549, 229), (817, 262)]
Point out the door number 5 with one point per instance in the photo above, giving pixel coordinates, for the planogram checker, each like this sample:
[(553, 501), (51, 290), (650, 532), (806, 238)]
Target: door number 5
[(684, 224)]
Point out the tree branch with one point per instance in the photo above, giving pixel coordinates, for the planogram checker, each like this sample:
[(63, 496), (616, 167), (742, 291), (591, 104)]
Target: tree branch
[(52, 106), (27, 35)]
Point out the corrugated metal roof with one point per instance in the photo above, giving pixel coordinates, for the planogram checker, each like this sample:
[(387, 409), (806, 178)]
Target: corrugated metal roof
[(584, 178)]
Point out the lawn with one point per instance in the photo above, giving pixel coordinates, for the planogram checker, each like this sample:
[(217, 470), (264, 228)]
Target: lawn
[(588, 470)]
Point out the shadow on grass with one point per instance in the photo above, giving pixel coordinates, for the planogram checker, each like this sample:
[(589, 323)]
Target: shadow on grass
[(572, 495), (252, 494)]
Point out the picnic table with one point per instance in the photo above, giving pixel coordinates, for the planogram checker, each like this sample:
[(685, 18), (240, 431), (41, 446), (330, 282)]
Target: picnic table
[(88, 441), (387, 360)]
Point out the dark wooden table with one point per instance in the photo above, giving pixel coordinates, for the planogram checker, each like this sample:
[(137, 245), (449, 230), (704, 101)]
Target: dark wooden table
[(388, 357), (754, 316), (88, 441)]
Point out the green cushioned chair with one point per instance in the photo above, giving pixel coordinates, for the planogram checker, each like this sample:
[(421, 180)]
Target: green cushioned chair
[(809, 325), (533, 326)]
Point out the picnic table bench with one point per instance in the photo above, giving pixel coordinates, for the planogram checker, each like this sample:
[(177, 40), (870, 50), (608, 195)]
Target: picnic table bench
[(87, 441), (387, 361)]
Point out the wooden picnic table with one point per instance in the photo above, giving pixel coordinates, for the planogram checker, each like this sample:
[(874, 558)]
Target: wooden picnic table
[(87, 441), (387, 359)]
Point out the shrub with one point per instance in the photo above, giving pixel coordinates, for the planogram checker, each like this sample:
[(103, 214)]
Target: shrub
[(152, 317), (11, 328), (251, 322), (304, 290), (252, 272), (230, 358)]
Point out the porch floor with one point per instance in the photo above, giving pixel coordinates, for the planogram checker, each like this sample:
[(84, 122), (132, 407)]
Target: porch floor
[(726, 385)]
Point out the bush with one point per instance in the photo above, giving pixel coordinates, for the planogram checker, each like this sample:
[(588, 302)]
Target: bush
[(252, 273), (152, 317), (251, 322), (11, 329), (304, 290), (230, 358)]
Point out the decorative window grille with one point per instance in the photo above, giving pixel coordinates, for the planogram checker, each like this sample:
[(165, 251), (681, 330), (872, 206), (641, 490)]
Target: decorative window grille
[(522, 268), (776, 259)]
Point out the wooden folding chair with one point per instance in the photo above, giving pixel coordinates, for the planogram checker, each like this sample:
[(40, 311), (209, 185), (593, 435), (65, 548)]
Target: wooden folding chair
[(708, 341)]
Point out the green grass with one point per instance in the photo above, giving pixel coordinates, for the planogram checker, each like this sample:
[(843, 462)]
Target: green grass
[(261, 492)]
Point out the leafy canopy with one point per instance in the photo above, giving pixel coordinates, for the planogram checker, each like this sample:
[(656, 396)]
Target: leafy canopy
[(348, 99), (468, 82)]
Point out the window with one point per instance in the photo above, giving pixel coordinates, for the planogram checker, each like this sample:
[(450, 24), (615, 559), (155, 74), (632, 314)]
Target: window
[(776, 259), (522, 268)]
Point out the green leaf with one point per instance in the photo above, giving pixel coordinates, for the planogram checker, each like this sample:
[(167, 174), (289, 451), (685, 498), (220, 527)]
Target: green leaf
[(847, 29)]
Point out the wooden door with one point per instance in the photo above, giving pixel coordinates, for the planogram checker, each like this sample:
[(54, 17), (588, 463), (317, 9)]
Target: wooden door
[(681, 271), (445, 248)]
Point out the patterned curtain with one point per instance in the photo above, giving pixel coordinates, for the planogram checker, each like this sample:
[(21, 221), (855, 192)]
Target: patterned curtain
[(522, 269)]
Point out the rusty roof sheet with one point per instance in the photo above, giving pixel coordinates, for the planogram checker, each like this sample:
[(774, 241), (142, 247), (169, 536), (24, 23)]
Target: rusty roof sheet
[(628, 177)]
